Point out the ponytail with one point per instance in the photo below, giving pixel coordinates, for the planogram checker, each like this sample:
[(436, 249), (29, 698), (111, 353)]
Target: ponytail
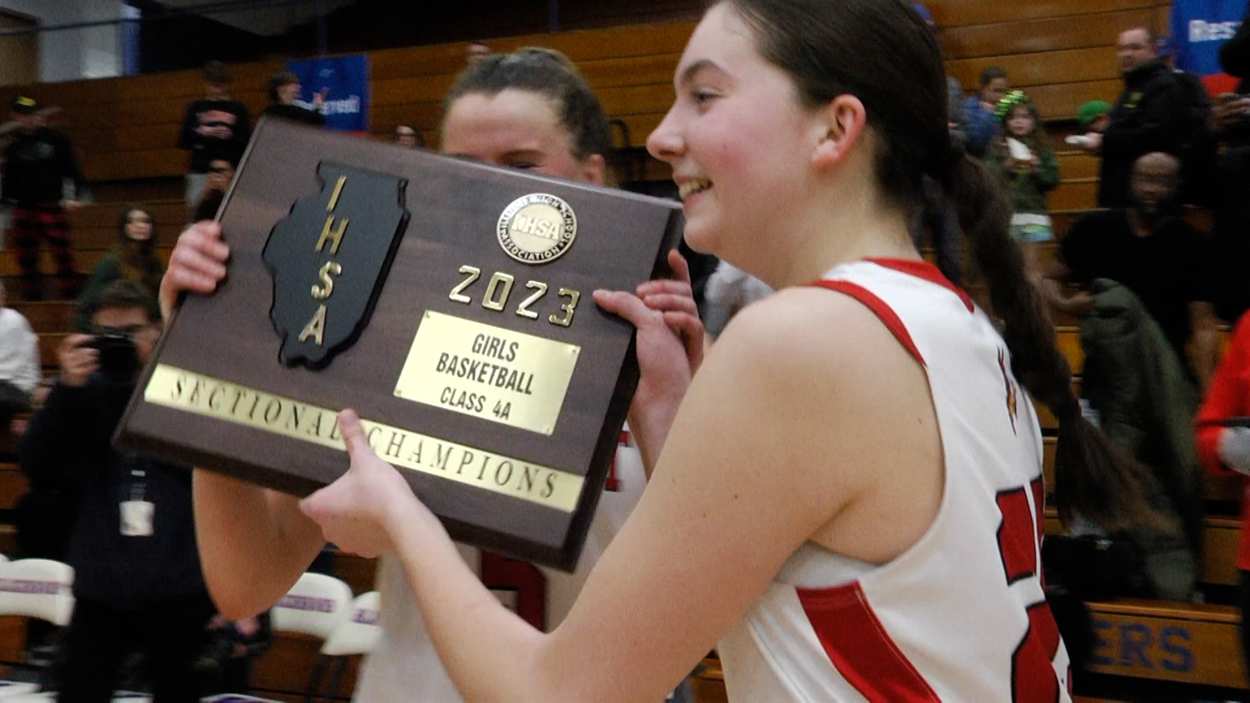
[(1093, 478)]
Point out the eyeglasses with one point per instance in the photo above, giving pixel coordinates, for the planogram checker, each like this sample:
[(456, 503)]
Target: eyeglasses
[(125, 330)]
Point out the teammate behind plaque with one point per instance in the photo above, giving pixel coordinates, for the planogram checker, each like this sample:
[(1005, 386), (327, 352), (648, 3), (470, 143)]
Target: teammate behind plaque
[(850, 496), (529, 110)]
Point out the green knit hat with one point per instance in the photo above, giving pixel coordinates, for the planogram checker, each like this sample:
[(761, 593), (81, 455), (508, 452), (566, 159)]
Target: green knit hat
[(1091, 111)]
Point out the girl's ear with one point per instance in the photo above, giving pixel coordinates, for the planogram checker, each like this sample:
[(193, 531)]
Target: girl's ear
[(595, 169), (842, 124)]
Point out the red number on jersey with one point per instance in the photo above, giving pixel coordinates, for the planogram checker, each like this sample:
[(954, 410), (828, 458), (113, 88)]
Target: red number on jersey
[(1019, 534), (501, 573)]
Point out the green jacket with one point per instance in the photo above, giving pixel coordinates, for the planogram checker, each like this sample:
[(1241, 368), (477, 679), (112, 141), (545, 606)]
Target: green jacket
[(1028, 190), (108, 270), (1146, 405)]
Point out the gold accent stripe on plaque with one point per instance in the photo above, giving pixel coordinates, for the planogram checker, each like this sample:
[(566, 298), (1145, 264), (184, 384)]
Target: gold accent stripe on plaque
[(212, 397)]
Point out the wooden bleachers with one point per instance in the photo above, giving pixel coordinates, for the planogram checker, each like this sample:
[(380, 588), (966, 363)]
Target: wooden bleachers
[(1181, 642), (1060, 51)]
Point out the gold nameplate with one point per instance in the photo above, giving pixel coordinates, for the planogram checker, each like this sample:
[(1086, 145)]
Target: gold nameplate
[(488, 372), (204, 395)]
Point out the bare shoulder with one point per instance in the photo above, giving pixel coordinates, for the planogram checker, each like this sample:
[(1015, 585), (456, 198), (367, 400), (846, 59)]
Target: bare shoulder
[(827, 379), (813, 326)]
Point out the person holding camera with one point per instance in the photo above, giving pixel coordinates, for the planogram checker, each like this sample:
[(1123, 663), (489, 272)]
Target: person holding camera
[(137, 579)]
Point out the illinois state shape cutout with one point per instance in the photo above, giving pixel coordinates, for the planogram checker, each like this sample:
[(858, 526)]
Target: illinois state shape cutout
[(329, 258)]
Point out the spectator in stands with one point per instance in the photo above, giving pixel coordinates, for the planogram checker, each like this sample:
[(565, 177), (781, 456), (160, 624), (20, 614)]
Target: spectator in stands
[(137, 578), (132, 258), (220, 176), (532, 110), (1224, 445), (935, 222), (8, 130), (284, 102), (1148, 331), (215, 127), (980, 123), (1235, 54), (406, 136), (1151, 250), (1023, 158), (476, 51), (954, 91), (1094, 116), (41, 182), (1231, 125), (1151, 115), (19, 365)]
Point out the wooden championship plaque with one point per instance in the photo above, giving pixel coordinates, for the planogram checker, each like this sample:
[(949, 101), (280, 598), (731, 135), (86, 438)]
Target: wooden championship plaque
[(447, 302)]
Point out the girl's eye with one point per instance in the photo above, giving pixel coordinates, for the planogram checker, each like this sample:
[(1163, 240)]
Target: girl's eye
[(703, 97)]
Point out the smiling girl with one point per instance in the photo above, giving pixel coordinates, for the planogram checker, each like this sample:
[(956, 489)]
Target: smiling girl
[(850, 496)]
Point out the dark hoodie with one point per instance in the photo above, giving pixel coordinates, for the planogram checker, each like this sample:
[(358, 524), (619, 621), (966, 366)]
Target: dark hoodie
[(1150, 115), (68, 446), (36, 164)]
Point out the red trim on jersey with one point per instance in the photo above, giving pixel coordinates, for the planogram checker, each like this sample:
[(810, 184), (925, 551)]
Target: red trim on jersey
[(859, 647), (614, 482), (927, 271), (879, 308)]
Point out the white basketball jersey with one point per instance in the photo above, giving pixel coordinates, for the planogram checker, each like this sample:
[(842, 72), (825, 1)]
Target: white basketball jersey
[(404, 664), (960, 615)]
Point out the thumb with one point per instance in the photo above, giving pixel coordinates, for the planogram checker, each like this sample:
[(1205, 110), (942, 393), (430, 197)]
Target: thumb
[(679, 265), (353, 435), (312, 505)]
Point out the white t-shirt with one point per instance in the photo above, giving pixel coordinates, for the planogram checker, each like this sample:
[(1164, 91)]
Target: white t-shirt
[(19, 351), (404, 664)]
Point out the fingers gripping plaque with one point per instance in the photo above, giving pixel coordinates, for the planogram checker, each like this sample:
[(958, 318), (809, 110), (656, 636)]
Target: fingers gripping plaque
[(329, 258)]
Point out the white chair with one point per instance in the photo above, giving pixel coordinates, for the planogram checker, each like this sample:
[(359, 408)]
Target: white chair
[(360, 632), (355, 637), (37, 697), (37, 588), (34, 588), (316, 605), (20, 691)]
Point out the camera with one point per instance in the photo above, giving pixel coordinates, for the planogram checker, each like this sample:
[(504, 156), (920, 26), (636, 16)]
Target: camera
[(119, 359)]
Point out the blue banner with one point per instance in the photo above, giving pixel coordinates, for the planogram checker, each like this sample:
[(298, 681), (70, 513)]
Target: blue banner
[(1199, 28), (343, 83)]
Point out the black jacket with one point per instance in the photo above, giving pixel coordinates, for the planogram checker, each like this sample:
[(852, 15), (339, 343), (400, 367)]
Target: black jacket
[(1152, 114), (35, 166), (295, 113), (1235, 54), (68, 444), (228, 114)]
